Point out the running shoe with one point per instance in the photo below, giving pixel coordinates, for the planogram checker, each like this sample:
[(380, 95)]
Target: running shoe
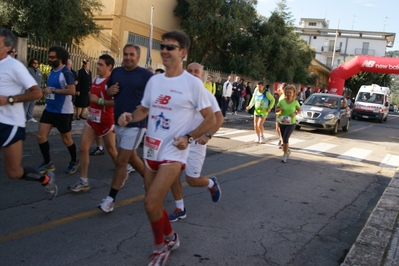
[(177, 214), (284, 158), (288, 153), (279, 143), (124, 180), (32, 120), (159, 257), (216, 193), (257, 140), (97, 151), (261, 139), (173, 244), (44, 168), (73, 167), (107, 204), (129, 169), (51, 188), (80, 186)]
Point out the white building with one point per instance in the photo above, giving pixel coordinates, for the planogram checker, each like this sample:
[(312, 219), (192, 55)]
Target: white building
[(348, 43)]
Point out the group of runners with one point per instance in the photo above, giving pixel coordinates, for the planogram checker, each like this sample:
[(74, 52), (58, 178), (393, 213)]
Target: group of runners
[(174, 110)]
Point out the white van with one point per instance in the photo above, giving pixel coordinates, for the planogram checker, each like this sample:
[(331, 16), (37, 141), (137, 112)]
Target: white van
[(372, 102)]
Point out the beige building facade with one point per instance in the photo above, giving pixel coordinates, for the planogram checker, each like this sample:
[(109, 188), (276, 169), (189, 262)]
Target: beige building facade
[(128, 21)]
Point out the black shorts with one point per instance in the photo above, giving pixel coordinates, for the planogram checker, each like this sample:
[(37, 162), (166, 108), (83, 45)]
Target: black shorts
[(11, 134), (63, 122)]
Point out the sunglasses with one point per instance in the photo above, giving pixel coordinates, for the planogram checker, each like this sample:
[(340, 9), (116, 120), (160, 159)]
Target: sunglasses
[(169, 47), (52, 57)]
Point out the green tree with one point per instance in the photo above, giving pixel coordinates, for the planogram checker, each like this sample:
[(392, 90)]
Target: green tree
[(367, 78), (54, 20)]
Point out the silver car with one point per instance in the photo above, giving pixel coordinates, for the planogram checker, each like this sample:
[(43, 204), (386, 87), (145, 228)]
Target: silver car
[(325, 112)]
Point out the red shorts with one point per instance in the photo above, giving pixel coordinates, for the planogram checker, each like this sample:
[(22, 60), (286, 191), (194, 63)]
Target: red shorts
[(154, 165), (100, 129)]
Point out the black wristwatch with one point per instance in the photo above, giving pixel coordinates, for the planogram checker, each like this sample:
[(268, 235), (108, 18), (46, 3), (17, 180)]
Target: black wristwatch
[(53, 90), (189, 138), (207, 134), (11, 100)]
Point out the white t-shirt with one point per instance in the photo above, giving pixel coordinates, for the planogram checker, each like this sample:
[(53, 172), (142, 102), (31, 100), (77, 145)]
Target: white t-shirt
[(14, 79), (197, 119), (172, 103)]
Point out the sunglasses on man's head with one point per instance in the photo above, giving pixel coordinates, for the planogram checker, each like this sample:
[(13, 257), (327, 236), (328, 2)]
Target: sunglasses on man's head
[(169, 47)]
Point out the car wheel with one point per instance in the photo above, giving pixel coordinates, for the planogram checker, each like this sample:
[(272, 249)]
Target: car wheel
[(346, 127), (334, 131)]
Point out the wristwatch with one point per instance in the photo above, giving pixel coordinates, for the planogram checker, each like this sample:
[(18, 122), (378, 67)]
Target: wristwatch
[(53, 90), (189, 138), (11, 100), (207, 134)]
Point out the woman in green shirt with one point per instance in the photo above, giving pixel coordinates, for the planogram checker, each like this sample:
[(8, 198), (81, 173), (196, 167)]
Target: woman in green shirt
[(263, 102), (289, 107)]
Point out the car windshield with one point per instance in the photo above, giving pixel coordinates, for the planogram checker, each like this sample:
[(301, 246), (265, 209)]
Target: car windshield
[(368, 97), (323, 101)]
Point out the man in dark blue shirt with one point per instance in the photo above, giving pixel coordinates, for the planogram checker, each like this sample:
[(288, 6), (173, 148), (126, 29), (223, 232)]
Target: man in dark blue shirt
[(126, 85)]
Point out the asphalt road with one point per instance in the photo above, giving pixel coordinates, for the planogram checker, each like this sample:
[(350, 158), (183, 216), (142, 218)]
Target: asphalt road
[(306, 212)]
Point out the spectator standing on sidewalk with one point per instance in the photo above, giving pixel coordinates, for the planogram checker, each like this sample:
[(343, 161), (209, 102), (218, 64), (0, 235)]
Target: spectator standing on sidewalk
[(17, 86), (210, 85), (59, 110), (33, 68), (236, 95), (219, 91), (82, 90), (227, 91), (242, 106)]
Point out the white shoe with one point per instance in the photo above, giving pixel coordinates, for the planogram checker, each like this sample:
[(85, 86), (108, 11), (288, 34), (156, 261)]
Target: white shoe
[(262, 140), (284, 159), (32, 120), (129, 169), (107, 204), (256, 140)]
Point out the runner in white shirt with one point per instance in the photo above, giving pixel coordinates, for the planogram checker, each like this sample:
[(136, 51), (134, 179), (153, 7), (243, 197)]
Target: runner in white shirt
[(196, 157), (14, 80), (171, 100)]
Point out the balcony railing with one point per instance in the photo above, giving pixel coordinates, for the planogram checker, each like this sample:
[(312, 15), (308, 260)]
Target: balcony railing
[(330, 49), (364, 51)]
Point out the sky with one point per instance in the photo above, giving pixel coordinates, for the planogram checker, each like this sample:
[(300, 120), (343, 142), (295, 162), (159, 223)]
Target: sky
[(366, 15)]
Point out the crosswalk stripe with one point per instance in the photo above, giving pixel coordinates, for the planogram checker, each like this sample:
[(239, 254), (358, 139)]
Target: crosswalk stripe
[(251, 138), (229, 132), (390, 161), (355, 154), (318, 148), (292, 141)]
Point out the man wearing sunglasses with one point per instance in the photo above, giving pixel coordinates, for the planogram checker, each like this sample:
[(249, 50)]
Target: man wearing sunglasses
[(176, 95), (15, 79), (59, 110), (126, 84)]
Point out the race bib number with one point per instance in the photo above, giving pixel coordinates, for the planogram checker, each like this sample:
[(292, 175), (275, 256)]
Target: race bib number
[(285, 120), (151, 148), (95, 115), (50, 96)]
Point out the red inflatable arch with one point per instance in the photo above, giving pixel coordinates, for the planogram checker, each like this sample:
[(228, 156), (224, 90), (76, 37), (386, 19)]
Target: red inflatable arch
[(338, 76)]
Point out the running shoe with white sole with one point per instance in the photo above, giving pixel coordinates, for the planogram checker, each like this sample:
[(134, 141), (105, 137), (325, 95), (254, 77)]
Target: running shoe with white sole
[(45, 168), (173, 244), (107, 204), (177, 214), (51, 188), (80, 186), (216, 193), (159, 257)]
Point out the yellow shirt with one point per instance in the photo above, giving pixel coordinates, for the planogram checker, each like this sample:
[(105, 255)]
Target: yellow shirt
[(210, 86)]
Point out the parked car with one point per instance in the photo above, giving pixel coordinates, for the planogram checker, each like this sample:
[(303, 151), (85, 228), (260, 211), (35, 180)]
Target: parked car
[(391, 109), (325, 112)]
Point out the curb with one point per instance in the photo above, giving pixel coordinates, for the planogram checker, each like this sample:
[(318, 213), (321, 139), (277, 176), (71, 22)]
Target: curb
[(377, 243)]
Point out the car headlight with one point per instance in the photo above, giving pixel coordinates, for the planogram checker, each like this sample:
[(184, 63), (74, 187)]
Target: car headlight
[(329, 116)]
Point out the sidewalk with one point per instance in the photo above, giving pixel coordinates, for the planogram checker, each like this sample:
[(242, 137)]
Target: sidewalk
[(377, 243)]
